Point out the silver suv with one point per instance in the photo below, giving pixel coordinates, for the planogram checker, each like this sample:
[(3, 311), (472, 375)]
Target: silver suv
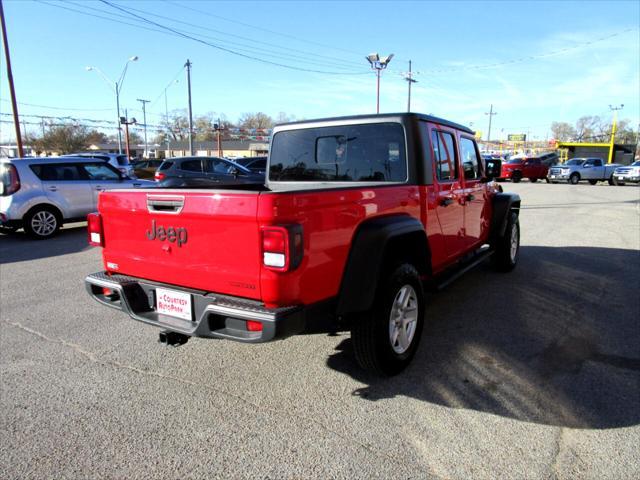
[(40, 194), (118, 160)]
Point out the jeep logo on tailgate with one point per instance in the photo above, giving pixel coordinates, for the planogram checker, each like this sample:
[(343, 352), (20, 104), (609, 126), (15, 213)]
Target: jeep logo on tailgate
[(171, 234)]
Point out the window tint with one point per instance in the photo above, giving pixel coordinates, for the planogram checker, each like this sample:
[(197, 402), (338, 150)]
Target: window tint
[(213, 165), (166, 165), (470, 164), (191, 165), (258, 165), (57, 173), (444, 155), (347, 153), (101, 171), (122, 160)]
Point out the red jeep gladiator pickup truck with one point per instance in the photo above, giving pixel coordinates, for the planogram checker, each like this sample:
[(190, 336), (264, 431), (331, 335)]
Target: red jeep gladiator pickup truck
[(356, 218)]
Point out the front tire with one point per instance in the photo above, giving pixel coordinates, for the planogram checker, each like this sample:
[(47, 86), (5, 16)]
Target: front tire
[(574, 178), (612, 180), (516, 177), (41, 223), (386, 338), (507, 248)]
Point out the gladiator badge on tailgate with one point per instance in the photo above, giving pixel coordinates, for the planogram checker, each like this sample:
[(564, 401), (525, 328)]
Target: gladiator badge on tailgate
[(171, 234)]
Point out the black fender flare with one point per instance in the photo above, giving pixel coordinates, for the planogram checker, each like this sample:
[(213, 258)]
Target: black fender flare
[(503, 205), (367, 256)]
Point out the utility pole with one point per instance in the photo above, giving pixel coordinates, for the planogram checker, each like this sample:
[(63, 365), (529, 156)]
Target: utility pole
[(126, 122), (491, 113), (409, 78), (188, 65), (144, 119), (14, 103), (218, 127)]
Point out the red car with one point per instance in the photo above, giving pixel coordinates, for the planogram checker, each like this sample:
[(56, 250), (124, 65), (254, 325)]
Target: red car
[(357, 216), (518, 168)]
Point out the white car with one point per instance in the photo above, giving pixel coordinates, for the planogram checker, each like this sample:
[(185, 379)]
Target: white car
[(622, 175), (40, 194), (118, 160)]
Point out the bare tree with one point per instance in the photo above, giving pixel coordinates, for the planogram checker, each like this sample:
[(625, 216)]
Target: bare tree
[(255, 120), (563, 131), (64, 139)]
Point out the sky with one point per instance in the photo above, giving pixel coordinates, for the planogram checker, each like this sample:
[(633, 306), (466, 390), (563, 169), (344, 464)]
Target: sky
[(535, 62)]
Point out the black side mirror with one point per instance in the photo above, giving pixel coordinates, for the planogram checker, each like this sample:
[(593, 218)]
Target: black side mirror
[(493, 169)]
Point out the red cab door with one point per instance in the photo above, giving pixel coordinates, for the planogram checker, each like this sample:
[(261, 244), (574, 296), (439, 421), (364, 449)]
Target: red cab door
[(475, 198), (448, 188)]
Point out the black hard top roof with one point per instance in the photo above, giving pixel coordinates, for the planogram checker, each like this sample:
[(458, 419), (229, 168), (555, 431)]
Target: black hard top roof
[(394, 116)]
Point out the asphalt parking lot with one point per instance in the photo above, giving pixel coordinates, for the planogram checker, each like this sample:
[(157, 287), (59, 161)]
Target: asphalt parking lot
[(532, 374)]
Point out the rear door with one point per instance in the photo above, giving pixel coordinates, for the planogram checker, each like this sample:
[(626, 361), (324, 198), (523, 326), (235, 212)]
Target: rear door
[(102, 176), (474, 196), (67, 186), (449, 191)]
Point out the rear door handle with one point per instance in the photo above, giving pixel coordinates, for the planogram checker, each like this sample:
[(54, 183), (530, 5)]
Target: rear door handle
[(53, 188), (100, 188)]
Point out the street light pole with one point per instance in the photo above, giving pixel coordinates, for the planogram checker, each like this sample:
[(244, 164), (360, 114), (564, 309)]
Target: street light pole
[(613, 129), (188, 65), (118, 87), (378, 64)]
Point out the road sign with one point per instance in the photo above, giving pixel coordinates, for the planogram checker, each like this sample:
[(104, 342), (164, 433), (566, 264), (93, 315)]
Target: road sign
[(517, 137)]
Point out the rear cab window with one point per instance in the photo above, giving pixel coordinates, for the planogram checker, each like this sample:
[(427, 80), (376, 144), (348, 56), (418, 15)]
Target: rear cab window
[(342, 153)]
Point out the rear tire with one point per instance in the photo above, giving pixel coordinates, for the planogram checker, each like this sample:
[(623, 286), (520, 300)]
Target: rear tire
[(533, 180), (507, 248), (516, 177), (612, 180), (574, 179), (42, 222), (386, 338)]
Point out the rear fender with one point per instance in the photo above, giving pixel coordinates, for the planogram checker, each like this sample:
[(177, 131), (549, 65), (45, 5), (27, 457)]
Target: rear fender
[(376, 243)]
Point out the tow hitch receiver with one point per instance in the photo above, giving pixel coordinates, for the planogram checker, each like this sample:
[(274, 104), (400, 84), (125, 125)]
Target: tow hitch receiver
[(173, 339)]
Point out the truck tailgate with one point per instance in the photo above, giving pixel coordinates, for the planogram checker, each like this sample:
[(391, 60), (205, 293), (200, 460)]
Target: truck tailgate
[(206, 240)]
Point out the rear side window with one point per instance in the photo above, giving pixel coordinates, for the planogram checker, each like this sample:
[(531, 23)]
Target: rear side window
[(444, 155), (191, 166), (57, 173), (101, 171), (343, 153), (258, 165), (123, 161), (470, 163), (165, 165)]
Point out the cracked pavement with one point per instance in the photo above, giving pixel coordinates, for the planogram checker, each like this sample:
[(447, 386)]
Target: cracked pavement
[(533, 374)]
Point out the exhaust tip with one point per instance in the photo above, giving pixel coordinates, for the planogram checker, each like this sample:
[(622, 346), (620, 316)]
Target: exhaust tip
[(173, 339)]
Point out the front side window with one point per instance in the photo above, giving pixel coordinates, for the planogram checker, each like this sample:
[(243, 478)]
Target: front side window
[(342, 153), (101, 171), (470, 164), (444, 155)]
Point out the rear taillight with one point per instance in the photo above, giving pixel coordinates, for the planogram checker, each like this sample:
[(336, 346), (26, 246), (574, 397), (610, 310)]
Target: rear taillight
[(159, 176), (94, 230), (282, 247), (10, 179)]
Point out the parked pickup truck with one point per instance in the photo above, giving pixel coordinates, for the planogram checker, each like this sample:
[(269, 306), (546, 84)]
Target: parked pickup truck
[(576, 169), (356, 217), (631, 174)]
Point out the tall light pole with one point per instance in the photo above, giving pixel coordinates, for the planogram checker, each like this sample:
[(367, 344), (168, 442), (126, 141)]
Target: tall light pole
[(613, 129), (409, 78), (144, 119), (378, 64), (188, 65), (116, 87), (491, 113)]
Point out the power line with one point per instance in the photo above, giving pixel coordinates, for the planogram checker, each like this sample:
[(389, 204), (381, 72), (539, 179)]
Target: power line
[(224, 49), (61, 108), (329, 59)]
